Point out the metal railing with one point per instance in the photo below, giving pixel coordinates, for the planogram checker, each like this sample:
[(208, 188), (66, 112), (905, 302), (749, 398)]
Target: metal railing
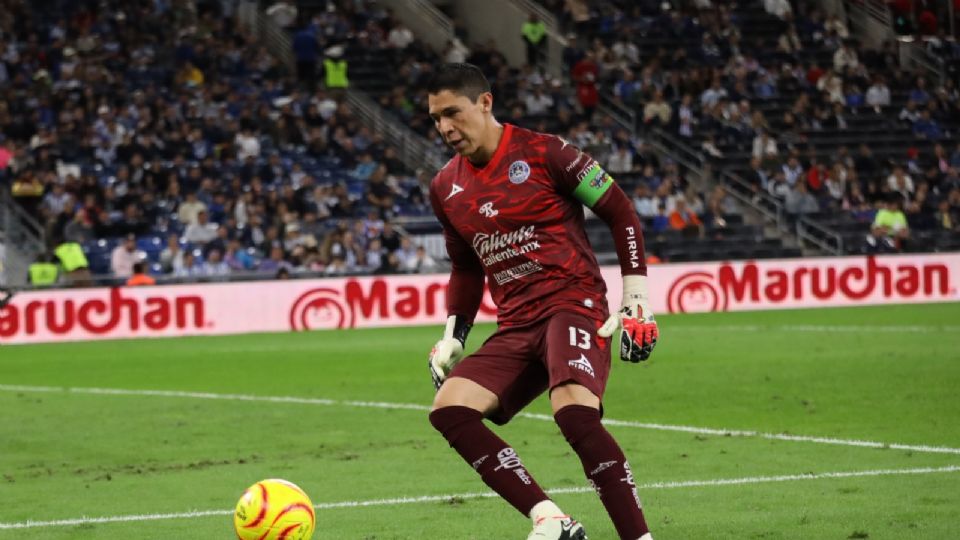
[(871, 20), (764, 204), (276, 39), (412, 149), (428, 11), (22, 238), (768, 206), (621, 114), (823, 237), (429, 24), (879, 10), (682, 152), (913, 53), (549, 20), (554, 33)]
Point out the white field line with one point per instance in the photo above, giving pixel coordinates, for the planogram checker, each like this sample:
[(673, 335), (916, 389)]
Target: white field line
[(920, 329), (440, 498), (543, 417)]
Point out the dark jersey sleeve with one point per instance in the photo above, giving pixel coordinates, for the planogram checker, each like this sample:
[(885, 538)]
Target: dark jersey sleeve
[(579, 175), (465, 289)]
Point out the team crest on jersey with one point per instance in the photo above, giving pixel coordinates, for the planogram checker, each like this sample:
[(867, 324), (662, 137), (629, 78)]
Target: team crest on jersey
[(519, 172)]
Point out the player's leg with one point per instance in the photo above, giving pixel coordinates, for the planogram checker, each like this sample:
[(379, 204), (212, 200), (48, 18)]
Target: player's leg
[(480, 387), (579, 365)]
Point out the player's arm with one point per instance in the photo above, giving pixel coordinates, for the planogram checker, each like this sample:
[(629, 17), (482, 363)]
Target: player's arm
[(464, 294), (581, 176)]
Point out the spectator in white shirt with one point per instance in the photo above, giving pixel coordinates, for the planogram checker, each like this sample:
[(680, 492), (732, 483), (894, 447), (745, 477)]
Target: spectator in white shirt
[(406, 252), (171, 258), (878, 95), (621, 161), (778, 8), (189, 267), (124, 256), (455, 52), (900, 182), (376, 255), (627, 51), (537, 102), (644, 202), (909, 112), (711, 96), (202, 231), (778, 186), (283, 13), (845, 57), (657, 111), (832, 84), (248, 145), (792, 171), (190, 208), (836, 25), (57, 199), (214, 265), (400, 37), (421, 263), (764, 145)]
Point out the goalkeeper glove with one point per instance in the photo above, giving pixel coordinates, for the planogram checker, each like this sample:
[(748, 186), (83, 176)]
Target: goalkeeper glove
[(449, 350), (638, 329)]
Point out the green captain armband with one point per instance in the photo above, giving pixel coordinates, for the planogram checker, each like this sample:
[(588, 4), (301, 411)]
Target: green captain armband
[(594, 182)]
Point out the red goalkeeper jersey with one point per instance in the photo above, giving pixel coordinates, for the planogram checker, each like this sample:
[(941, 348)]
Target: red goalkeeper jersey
[(519, 221)]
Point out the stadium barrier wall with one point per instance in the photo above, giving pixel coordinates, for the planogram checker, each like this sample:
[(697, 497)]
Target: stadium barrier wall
[(295, 305)]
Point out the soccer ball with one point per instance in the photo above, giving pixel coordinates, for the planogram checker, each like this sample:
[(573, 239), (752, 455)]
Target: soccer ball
[(274, 510)]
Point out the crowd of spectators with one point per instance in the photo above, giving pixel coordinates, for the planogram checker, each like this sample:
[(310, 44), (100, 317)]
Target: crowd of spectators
[(166, 120), (769, 91), (524, 95)]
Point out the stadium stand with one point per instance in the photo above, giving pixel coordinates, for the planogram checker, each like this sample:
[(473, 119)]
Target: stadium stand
[(130, 118), (173, 124), (794, 106), (531, 98)]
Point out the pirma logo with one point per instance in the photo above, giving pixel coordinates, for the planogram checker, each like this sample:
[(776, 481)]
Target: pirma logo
[(320, 308)]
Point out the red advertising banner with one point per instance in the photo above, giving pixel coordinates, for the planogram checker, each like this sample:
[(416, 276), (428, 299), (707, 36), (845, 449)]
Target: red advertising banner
[(297, 305)]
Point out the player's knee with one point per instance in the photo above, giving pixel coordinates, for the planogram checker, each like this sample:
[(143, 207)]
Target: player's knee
[(572, 393), (459, 392), (577, 422)]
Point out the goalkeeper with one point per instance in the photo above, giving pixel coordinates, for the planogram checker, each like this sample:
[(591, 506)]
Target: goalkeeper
[(511, 205)]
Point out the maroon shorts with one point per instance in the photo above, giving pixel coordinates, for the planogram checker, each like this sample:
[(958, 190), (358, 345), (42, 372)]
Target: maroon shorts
[(518, 364)]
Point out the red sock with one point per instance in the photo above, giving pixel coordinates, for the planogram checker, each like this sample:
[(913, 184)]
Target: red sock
[(606, 467), (498, 465)]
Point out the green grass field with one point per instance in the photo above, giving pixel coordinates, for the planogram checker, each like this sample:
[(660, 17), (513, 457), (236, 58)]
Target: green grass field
[(887, 375)]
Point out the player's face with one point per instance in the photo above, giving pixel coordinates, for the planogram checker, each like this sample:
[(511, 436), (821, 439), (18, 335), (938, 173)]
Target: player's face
[(460, 121)]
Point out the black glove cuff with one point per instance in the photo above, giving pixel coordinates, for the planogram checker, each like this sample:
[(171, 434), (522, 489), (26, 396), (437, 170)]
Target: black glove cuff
[(461, 328), (6, 295)]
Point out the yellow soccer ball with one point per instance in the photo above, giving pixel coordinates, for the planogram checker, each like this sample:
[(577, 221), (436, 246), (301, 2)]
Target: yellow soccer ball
[(274, 510)]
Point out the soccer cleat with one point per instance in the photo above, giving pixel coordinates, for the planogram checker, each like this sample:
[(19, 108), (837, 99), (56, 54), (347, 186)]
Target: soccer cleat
[(557, 528)]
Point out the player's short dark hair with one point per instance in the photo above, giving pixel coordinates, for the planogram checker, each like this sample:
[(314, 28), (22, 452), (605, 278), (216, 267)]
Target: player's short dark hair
[(459, 78)]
